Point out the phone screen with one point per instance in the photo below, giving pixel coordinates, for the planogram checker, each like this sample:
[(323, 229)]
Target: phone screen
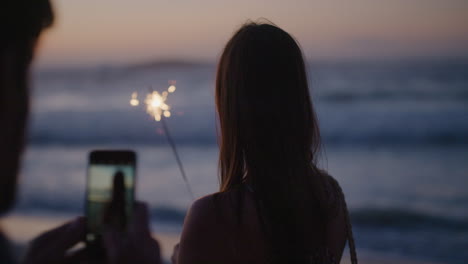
[(110, 191)]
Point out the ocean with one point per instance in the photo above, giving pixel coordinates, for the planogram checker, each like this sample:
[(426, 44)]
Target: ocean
[(395, 136)]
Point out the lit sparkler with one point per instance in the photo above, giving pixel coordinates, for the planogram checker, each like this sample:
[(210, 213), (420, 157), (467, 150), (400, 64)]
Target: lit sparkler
[(155, 103), (157, 108)]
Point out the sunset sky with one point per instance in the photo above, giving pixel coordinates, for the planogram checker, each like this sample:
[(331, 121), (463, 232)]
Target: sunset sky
[(89, 32)]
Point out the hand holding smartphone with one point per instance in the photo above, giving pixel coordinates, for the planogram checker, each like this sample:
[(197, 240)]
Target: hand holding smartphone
[(110, 193), (117, 228)]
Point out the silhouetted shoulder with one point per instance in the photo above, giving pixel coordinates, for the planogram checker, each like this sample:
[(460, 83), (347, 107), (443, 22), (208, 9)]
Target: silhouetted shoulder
[(201, 207), (336, 225), (202, 234), (223, 228), (333, 192)]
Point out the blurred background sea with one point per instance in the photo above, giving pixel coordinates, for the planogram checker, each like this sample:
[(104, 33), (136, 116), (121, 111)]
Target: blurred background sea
[(395, 136)]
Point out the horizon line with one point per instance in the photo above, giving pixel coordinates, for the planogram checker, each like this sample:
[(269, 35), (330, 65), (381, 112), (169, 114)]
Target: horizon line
[(190, 63)]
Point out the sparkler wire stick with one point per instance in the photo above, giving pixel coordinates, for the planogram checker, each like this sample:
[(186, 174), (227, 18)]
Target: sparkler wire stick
[(159, 110), (176, 154)]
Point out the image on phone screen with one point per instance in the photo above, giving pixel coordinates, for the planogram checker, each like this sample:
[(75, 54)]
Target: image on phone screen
[(110, 194)]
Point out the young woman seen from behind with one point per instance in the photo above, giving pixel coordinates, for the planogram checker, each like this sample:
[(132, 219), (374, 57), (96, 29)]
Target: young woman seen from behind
[(274, 205)]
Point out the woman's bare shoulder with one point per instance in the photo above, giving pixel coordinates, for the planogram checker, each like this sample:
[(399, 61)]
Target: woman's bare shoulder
[(201, 213), (333, 190), (336, 228), (202, 205), (202, 233), (212, 203), (330, 179)]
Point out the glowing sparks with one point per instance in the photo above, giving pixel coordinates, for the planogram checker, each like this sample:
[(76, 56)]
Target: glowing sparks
[(134, 101), (155, 103), (171, 89)]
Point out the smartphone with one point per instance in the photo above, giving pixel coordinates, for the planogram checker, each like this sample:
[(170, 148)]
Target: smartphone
[(110, 192)]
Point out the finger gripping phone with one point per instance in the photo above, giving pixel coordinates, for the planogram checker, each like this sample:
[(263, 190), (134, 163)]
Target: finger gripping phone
[(110, 192)]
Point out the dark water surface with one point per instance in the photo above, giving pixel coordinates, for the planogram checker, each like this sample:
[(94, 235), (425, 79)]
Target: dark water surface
[(395, 135)]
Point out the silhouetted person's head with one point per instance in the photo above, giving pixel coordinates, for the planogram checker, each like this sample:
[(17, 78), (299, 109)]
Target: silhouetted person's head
[(263, 102), (269, 131), (21, 22)]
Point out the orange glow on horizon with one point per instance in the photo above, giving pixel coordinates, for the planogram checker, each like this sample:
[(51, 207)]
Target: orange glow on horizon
[(120, 31)]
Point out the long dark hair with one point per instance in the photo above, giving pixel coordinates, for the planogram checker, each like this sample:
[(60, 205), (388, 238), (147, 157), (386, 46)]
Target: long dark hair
[(269, 135)]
